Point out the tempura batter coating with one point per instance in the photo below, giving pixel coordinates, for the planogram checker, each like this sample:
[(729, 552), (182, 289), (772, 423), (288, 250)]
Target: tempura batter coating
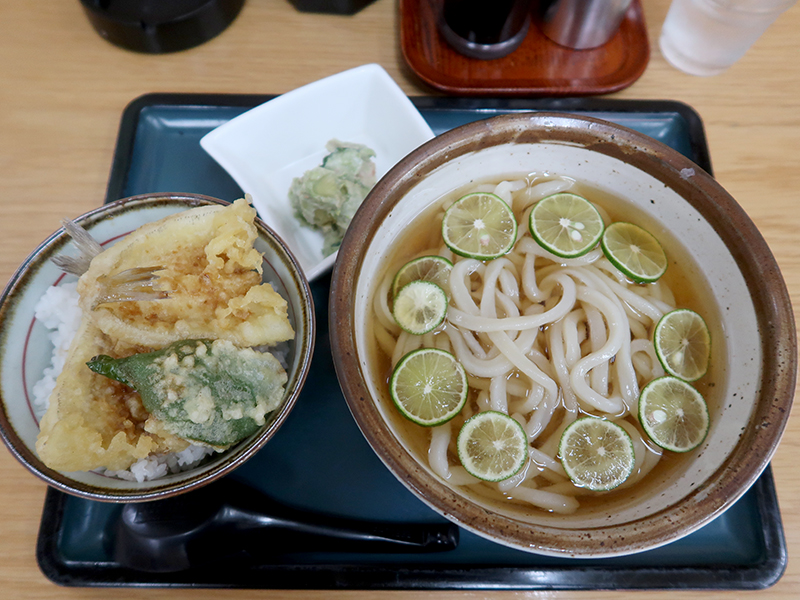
[(212, 274), (93, 421)]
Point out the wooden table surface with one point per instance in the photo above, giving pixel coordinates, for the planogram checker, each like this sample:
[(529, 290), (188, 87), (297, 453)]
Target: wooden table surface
[(63, 89)]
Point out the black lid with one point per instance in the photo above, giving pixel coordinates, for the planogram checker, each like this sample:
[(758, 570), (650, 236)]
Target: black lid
[(338, 7), (159, 26)]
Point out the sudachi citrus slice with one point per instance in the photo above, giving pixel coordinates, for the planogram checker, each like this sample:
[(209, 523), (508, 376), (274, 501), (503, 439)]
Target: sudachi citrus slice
[(429, 386), (419, 307), (566, 224), (425, 268), (673, 414), (683, 344), (596, 454), (479, 225), (492, 446), (634, 251)]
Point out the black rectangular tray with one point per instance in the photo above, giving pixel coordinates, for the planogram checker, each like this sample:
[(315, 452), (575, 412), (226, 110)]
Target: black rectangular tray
[(319, 461)]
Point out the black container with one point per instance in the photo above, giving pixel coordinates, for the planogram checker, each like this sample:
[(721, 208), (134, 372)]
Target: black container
[(160, 26), (337, 7), (486, 30)]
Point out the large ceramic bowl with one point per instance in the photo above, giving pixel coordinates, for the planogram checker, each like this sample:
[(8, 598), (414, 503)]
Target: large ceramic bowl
[(753, 329), (26, 349)]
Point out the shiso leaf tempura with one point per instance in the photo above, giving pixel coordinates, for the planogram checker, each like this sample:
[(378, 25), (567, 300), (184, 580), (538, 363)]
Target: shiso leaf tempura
[(206, 391)]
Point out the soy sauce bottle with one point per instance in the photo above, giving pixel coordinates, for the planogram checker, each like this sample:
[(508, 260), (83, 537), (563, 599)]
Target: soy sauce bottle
[(485, 29)]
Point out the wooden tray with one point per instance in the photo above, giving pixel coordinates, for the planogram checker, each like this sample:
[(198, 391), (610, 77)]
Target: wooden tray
[(539, 67)]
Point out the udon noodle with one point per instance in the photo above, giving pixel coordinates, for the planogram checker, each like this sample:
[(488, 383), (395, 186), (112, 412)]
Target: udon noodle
[(544, 340)]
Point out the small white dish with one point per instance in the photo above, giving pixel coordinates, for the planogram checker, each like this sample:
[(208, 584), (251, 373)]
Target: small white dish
[(265, 148)]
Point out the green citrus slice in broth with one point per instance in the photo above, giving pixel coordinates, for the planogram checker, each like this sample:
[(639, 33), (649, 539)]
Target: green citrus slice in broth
[(429, 386), (566, 225), (596, 454), (420, 307), (673, 414), (435, 269), (492, 446), (634, 251), (683, 344), (479, 225)]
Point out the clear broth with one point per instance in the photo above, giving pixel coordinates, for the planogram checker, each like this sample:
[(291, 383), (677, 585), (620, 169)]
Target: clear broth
[(683, 277)]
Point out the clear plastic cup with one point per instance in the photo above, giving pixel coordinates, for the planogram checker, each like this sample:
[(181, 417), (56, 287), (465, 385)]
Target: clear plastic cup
[(705, 37)]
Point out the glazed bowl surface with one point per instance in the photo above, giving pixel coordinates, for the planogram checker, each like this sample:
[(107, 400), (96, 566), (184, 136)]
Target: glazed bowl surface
[(26, 348), (753, 329)]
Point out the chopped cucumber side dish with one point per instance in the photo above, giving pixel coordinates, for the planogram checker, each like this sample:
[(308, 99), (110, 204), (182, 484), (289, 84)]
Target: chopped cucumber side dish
[(327, 197)]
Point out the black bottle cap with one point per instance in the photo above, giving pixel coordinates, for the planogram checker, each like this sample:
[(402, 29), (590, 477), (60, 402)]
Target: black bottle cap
[(336, 7), (160, 26)]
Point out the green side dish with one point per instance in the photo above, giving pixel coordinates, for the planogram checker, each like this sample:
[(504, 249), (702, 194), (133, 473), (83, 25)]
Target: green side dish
[(327, 197)]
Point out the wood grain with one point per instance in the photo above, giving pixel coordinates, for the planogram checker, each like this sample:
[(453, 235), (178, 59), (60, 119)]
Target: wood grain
[(63, 89)]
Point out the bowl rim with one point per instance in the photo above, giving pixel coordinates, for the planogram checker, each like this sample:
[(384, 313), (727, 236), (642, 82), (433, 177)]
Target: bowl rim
[(750, 251), (236, 456)]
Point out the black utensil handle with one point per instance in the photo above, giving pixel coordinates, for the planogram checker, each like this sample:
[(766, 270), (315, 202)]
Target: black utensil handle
[(236, 524), (311, 532)]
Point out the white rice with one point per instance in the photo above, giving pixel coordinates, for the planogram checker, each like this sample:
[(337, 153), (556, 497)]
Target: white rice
[(59, 312), (159, 465)]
